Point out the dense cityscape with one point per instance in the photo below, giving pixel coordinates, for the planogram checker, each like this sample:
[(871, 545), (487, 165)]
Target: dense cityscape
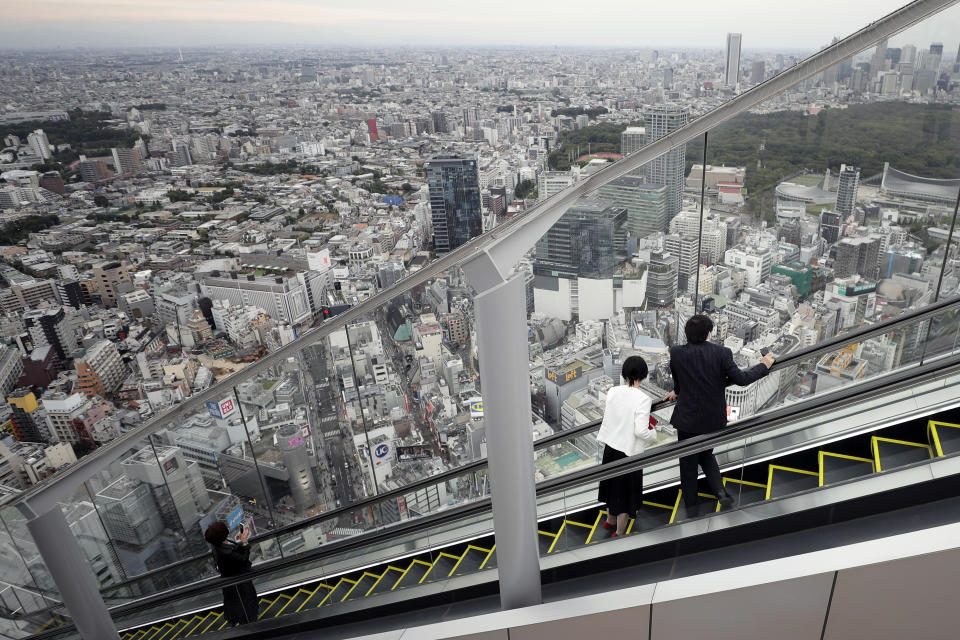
[(171, 216)]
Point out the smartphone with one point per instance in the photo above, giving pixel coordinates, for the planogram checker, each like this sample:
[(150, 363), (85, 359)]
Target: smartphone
[(764, 351)]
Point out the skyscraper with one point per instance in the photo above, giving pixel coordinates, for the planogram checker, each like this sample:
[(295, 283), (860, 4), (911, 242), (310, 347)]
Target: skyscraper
[(454, 201), (847, 189), (126, 161), (582, 242), (662, 280), (632, 139), (731, 68), (931, 61), (646, 204), (41, 146), (684, 247), (668, 168), (758, 72), (879, 57), (372, 130)]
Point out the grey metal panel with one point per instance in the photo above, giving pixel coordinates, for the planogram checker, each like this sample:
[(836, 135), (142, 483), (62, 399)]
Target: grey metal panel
[(906, 598), (788, 610), (633, 622)]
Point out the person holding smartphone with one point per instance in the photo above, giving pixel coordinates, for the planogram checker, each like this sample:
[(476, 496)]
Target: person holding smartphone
[(241, 604)]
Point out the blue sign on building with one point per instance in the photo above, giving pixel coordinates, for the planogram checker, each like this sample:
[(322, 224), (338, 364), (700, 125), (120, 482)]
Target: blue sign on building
[(395, 201), (213, 408), (235, 517), (382, 450)]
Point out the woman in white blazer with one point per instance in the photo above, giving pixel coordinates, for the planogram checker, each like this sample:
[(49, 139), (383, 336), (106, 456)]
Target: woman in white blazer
[(626, 430)]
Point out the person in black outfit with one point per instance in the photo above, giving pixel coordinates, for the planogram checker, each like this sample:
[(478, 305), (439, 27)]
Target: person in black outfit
[(240, 602), (701, 373)]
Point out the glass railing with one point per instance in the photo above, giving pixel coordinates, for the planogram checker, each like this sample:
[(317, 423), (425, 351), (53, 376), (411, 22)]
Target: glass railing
[(754, 223), (784, 429)]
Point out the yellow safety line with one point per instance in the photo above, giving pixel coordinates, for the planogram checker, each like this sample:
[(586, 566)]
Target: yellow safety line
[(359, 580), (469, 547), (822, 454), (746, 482), (294, 597), (272, 602), (875, 440), (382, 575), (405, 571), (547, 533), (791, 469), (225, 623), (212, 622), (353, 583), (172, 627), (313, 593), (557, 537), (199, 620), (676, 506), (487, 559), (657, 504), (600, 516), (156, 630), (440, 556), (935, 439), (629, 528)]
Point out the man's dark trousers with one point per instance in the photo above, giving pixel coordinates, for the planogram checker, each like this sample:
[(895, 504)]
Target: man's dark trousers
[(688, 472)]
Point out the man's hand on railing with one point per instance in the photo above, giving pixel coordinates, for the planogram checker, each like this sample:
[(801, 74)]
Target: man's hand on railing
[(670, 397), (768, 360)]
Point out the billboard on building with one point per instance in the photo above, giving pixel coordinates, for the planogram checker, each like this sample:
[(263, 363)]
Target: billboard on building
[(221, 409)]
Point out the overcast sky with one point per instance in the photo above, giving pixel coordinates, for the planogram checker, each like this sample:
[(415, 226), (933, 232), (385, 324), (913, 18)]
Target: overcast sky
[(765, 24)]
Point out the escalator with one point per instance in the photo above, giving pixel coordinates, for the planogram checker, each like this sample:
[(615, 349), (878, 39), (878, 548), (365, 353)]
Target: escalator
[(804, 448), (911, 443)]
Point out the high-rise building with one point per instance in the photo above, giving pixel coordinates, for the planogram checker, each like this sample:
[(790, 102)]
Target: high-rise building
[(100, 370), (646, 204), (455, 204), (632, 139), (758, 72), (684, 247), (582, 242), (372, 129), (26, 427), (847, 190), (52, 181), (859, 256), (51, 326), (662, 280), (908, 54), (830, 222), (113, 279), (471, 116), (40, 145), (62, 410), (551, 182), (931, 62), (181, 154), (126, 161), (93, 170), (296, 459), (668, 168), (731, 67), (878, 61)]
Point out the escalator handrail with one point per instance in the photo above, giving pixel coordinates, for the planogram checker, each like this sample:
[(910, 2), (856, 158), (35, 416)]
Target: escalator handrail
[(789, 360), (574, 479)]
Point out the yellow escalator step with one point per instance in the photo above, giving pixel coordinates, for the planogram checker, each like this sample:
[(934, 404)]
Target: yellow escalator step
[(596, 523), (489, 555), (203, 620), (272, 602), (405, 571), (440, 556), (382, 576)]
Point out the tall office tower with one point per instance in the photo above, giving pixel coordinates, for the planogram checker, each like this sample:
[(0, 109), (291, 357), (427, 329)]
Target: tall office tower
[(51, 326), (372, 129), (126, 161), (685, 248), (582, 242), (830, 222), (471, 116), (731, 67), (931, 62), (293, 449), (908, 54), (632, 139), (181, 154), (878, 59), (646, 204), (26, 425), (857, 256), (956, 62), (668, 78), (52, 181), (847, 190), (41, 146), (440, 123), (758, 71), (455, 205), (668, 168), (662, 280)]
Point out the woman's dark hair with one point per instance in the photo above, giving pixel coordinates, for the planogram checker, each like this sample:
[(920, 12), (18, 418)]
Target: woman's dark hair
[(216, 533), (698, 328), (634, 369)]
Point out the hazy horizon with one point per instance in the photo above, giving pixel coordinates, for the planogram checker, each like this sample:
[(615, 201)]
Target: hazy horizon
[(104, 24)]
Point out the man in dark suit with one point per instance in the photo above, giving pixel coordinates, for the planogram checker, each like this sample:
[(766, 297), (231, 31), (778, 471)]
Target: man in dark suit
[(701, 373)]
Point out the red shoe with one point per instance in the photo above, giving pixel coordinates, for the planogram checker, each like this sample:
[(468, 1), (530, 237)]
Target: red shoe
[(614, 535), (607, 525)]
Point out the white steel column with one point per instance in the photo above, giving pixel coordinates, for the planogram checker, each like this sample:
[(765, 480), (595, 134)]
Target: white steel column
[(72, 574), (501, 325)]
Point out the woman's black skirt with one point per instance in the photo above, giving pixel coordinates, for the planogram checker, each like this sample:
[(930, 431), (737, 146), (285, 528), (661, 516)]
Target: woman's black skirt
[(624, 493)]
